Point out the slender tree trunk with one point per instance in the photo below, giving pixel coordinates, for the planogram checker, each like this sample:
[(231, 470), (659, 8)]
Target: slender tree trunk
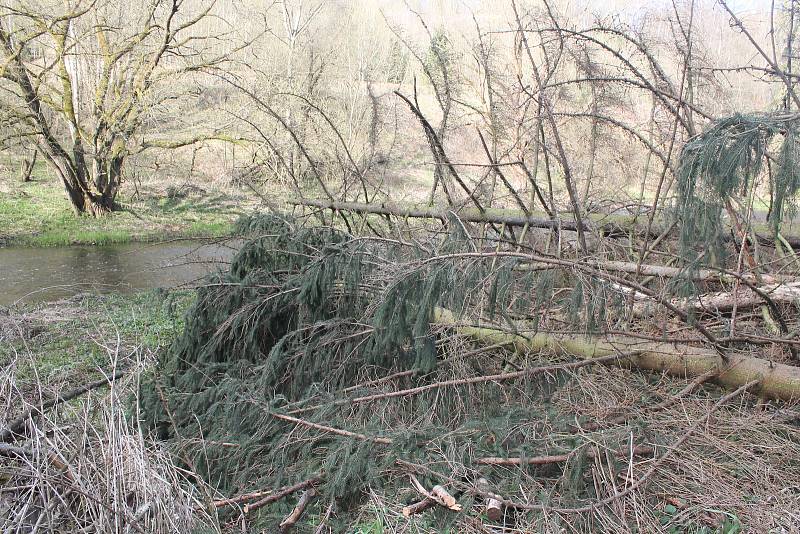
[(27, 167)]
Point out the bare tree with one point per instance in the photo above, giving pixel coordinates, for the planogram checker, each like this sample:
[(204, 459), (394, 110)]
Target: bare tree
[(89, 82)]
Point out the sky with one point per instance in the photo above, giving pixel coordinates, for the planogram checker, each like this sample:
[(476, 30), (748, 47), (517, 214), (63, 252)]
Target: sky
[(737, 5), (755, 5)]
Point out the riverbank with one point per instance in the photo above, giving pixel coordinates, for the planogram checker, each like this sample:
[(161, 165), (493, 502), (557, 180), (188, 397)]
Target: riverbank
[(61, 344), (38, 214)]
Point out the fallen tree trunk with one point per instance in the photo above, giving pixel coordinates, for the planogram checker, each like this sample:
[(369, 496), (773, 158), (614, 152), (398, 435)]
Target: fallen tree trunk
[(724, 301), (611, 225), (699, 275), (639, 450), (776, 380)]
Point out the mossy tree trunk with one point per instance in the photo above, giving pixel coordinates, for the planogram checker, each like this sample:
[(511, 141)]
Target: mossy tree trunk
[(776, 380), (91, 189), (86, 81)]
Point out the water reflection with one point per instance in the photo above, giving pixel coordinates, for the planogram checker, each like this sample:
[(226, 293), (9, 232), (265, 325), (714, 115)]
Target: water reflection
[(40, 274)]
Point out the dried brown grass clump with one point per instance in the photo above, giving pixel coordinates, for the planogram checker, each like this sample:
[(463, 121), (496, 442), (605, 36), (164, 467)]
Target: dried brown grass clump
[(738, 468), (77, 463), (84, 468)]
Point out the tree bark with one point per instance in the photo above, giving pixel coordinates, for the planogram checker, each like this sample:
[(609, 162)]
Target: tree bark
[(609, 225), (724, 301), (639, 450), (85, 200), (500, 216), (27, 167), (289, 522), (776, 380)]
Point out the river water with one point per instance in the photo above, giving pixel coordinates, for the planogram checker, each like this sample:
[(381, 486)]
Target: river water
[(29, 275)]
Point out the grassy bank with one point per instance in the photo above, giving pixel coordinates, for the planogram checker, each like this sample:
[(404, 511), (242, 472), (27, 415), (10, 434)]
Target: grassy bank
[(70, 341), (37, 213)]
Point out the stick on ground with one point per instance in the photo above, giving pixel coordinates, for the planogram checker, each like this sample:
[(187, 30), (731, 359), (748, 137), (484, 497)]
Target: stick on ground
[(282, 493), (288, 523), (17, 426)]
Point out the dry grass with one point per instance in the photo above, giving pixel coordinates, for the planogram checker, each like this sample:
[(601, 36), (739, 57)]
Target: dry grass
[(84, 466), (738, 471), (89, 469)]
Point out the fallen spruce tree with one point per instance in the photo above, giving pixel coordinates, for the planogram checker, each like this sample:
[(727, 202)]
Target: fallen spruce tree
[(342, 365)]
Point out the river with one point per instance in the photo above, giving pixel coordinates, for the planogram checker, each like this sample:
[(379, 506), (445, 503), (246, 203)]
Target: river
[(30, 275)]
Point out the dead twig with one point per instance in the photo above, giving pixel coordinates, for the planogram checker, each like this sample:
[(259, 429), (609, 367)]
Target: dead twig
[(282, 493), (338, 431), (290, 520), (666, 403), (17, 426), (325, 518), (239, 499), (603, 502), (473, 380)]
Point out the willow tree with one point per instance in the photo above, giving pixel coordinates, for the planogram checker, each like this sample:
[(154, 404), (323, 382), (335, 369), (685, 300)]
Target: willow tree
[(91, 82)]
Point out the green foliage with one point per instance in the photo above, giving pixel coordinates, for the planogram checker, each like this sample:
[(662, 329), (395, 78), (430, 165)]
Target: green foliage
[(303, 313), (726, 164), (374, 527), (439, 58), (787, 178), (397, 63)]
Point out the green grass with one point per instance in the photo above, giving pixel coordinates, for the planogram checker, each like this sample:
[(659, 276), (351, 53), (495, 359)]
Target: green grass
[(72, 339), (64, 236), (38, 214)]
